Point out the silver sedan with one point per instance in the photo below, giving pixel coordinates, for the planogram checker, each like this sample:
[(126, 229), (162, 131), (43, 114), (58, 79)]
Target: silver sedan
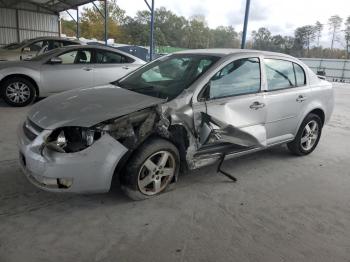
[(62, 69), (181, 111)]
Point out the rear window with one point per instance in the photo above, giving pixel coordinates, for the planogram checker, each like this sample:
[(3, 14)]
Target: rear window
[(279, 74)]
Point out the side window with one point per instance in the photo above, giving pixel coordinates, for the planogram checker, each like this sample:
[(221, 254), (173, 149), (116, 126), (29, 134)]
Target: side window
[(56, 44), (279, 73), (237, 78), (36, 47), (105, 57), (299, 75), (69, 57), (65, 43), (76, 57)]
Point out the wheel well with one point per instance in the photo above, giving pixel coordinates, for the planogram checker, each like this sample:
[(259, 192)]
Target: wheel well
[(23, 76), (319, 113), (177, 136)]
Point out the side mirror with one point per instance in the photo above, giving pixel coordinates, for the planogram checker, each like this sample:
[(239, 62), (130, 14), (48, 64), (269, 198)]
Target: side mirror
[(55, 60), (26, 49)]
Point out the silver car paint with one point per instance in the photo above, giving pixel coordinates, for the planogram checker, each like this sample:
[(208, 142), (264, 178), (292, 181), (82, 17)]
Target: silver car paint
[(103, 157), (235, 122), (56, 78), (18, 53), (88, 106)]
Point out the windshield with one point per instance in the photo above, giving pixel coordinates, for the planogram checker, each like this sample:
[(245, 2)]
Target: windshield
[(16, 45), (168, 76)]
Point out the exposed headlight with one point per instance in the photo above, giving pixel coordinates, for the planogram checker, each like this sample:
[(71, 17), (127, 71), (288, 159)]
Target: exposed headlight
[(72, 139)]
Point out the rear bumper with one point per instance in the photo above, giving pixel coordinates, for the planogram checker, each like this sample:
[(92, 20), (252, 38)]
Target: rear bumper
[(89, 171)]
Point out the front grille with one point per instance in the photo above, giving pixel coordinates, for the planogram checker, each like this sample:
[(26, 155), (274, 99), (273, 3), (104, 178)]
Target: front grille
[(31, 130)]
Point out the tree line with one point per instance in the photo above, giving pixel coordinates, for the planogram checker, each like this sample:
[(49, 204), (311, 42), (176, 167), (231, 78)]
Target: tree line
[(194, 32)]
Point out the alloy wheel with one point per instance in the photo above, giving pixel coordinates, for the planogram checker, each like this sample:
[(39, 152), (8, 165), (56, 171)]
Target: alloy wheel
[(18, 92), (156, 172), (309, 135)]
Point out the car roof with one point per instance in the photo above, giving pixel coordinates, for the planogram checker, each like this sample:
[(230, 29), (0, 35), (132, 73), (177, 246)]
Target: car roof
[(230, 51), (100, 47), (54, 38)]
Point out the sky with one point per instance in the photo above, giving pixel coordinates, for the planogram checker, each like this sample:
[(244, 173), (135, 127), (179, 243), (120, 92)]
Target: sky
[(281, 17)]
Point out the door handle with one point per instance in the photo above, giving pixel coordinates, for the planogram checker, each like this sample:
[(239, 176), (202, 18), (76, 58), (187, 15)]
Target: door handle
[(301, 98), (87, 68), (125, 67), (256, 105)]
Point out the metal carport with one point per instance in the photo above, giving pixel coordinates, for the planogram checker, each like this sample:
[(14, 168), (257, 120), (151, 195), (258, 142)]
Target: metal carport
[(26, 19)]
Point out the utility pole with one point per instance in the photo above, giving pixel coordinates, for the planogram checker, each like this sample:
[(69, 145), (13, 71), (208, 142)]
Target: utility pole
[(246, 17), (151, 36), (106, 16)]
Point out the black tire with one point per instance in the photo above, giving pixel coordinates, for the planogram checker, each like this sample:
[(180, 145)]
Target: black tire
[(296, 146), (8, 85), (135, 165)]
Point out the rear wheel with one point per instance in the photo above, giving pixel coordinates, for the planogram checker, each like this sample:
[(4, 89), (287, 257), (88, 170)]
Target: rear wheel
[(18, 91), (307, 137), (151, 169)]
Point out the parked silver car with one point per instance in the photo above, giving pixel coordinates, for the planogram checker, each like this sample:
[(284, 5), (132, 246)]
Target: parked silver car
[(63, 69), (181, 111), (30, 48)]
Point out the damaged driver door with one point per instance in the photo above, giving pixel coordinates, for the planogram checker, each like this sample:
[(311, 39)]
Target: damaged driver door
[(230, 111)]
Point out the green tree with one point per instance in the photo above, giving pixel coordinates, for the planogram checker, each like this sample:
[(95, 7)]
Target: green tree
[(334, 23), (318, 31), (223, 37), (92, 22), (69, 27), (347, 36), (261, 39)]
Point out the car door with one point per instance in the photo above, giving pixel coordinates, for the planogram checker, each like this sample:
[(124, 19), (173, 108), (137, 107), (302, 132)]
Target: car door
[(231, 109), (74, 71), (285, 98), (110, 66)]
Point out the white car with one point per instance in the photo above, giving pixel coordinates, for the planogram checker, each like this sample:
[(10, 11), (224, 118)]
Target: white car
[(30, 48), (63, 69)]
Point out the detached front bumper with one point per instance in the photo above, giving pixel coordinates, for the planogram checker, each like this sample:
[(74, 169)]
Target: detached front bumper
[(88, 171)]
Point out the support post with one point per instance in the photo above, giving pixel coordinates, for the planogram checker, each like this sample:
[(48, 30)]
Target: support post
[(106, 18), (17, 27), (246, 17), (78, 29), (152, 32)]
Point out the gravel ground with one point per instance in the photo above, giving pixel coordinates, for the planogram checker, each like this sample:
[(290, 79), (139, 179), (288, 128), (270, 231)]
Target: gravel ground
[(283, 208)]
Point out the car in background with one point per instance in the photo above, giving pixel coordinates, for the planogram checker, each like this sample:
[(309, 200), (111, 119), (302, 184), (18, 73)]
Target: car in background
[(182, 111), (62, 69), (30, 48)]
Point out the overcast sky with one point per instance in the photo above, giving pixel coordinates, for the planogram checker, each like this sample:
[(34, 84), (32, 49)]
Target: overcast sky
[(280, 16)]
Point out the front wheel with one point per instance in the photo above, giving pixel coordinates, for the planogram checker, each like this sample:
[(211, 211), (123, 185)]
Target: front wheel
[(307, 137), (18, 91), (151, 169)]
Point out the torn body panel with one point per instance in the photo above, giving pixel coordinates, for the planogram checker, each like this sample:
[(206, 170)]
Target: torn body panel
[(231, 120)]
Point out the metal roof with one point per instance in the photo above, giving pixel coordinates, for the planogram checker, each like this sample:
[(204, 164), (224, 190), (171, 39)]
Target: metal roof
[(53, 6)]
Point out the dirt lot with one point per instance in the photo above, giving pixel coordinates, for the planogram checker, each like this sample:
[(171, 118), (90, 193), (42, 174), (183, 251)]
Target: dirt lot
[(283, 208)]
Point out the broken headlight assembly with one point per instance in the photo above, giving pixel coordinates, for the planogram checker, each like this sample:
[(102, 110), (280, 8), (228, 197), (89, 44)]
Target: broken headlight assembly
[(72, 139)]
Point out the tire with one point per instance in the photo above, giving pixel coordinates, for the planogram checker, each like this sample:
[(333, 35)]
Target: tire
[(306, 142), (18, 91), (145, 176)]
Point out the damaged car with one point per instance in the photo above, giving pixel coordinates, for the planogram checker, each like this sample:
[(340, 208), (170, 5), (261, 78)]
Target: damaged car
[(180, 112)]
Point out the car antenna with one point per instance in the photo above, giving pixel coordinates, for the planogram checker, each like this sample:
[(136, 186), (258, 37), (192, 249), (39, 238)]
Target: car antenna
[(219, 170)]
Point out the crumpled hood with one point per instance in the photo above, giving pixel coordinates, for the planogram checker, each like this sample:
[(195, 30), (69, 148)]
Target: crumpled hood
[(88, 106)]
